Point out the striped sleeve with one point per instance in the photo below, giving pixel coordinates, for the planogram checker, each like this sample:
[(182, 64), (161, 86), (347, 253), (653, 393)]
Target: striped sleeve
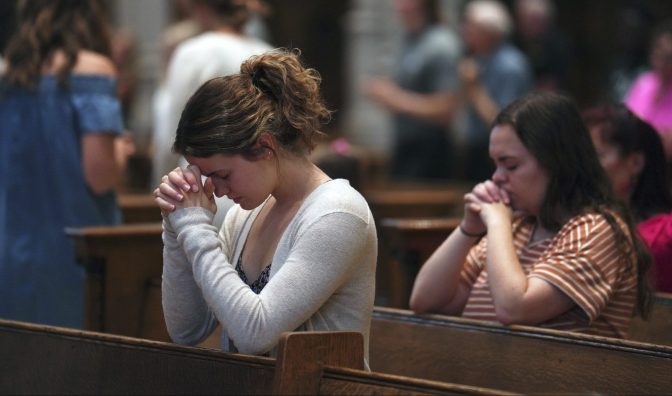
[(585, 263)]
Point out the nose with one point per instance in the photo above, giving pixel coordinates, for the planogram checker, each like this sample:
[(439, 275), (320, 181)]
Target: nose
[(498, 177), (220, 189)]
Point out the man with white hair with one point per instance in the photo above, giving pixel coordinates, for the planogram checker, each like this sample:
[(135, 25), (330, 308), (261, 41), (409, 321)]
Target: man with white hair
[(494, 74)]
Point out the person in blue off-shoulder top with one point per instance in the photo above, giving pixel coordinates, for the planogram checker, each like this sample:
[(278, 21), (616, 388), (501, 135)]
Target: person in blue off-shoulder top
[(60, 120)]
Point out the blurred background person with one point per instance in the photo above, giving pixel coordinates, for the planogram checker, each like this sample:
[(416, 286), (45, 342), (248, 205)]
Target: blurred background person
[(651, 94), (256, 25), (547, 48), (218, 51), (6, 17), (60, 120), (124, 55), (493, 74), (184, 26), (631, 152), (421, 94), (632, 39)]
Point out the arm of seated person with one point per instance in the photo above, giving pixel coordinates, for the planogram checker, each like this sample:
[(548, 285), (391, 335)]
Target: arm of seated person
[(539, 303), (99, 156)]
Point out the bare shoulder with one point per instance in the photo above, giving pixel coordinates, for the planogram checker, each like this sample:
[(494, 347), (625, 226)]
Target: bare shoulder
[(89, 62)]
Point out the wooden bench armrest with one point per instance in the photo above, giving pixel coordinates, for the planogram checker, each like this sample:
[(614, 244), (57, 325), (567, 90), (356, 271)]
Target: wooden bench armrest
[(302, 356)]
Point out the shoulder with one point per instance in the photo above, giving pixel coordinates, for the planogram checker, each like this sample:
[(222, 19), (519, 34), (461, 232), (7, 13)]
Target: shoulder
[(200, 44), (439, 35), (656, 229), (441, 41), (257, 46), (337, 196), (587, 220), (592, 227), (89, 62), (646, 80), (510, 58)]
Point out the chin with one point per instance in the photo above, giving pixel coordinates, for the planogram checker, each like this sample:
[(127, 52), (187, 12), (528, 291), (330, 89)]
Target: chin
[(249, 206)]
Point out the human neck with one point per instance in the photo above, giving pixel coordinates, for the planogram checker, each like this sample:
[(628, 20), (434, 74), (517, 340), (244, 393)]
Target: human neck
[(540, 233), (298, 178)]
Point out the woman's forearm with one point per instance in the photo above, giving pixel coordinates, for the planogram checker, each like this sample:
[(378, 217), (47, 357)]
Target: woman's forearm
[(508, 282), (437, 286)]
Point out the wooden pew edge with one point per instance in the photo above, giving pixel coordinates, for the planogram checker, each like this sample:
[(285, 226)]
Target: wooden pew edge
[(420, 223), (131, 342), (408, 316), (663, 298), (373, 377), (134, 229)]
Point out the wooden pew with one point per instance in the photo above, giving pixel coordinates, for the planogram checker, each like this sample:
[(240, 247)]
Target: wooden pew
[(406, 200), (138, 208), (415, 200), (50, 360), (122, 264), (123, 268), (514, 358), (408, 243), (658, 328)]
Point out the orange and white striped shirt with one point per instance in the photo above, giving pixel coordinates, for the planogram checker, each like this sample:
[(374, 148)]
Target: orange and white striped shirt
[(582, 260)]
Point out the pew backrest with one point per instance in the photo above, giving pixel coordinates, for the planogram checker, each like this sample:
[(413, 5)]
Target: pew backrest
[(49, 360), (138, 208), (414, 202), (40, 359), (514, 358)]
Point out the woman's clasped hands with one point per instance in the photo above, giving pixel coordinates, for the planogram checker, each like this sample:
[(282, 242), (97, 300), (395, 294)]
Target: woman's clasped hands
[(485, 206), (182, 188)]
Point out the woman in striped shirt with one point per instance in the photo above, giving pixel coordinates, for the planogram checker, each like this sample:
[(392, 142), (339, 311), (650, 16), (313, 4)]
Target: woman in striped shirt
[(554, 247)]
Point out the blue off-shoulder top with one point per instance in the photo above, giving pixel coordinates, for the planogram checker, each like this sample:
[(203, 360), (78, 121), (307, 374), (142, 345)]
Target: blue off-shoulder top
[(42, 191)]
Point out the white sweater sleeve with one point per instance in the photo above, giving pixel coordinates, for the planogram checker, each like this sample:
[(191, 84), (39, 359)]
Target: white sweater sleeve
[(188, 319), (323, 255)]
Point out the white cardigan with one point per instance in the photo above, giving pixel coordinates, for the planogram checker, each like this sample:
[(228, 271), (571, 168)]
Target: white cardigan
[(322, 275)]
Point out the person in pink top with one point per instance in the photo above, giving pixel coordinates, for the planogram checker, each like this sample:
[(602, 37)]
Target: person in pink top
[(651, 95), (631, 153)]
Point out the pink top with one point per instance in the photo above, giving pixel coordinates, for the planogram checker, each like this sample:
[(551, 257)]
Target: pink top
[(641, 100), (657, 233)]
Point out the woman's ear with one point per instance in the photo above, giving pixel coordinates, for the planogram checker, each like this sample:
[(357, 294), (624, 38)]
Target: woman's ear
[(265, 147), (267, 144)]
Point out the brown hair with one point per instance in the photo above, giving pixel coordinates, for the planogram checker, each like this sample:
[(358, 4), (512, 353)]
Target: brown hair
[(47, 26), (620, 128), (273, 93), (550, 126)]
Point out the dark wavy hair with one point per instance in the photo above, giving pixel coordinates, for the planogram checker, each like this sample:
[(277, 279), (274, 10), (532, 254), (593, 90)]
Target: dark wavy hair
[(47, 26), (273, 93), (550, 126), (622, 129)]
